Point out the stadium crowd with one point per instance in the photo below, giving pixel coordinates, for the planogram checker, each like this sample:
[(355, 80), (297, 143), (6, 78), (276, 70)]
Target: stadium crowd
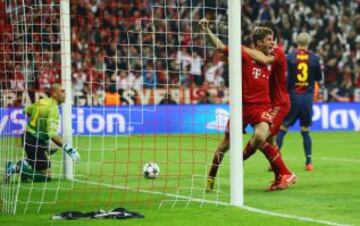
[(143, 45), (120, 45), (334, 26)]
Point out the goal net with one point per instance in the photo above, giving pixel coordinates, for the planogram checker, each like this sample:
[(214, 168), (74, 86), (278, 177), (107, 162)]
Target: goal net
[(147, 86)]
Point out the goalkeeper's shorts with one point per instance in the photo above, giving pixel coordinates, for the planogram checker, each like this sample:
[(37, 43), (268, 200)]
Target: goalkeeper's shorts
[(36, 152)]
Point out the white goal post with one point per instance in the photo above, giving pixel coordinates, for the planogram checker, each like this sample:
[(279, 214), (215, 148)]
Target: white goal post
[(66, 81), (236, 161), (234, 32)]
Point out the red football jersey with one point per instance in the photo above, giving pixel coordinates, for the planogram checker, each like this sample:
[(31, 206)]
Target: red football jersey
[(278, 91), (255, 81)]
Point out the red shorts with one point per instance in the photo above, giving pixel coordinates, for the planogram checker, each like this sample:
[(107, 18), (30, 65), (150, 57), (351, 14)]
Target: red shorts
[(278, 114), (254, 114)]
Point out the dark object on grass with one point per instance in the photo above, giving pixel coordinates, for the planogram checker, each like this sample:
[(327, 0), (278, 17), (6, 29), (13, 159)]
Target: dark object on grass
[(118, 213)]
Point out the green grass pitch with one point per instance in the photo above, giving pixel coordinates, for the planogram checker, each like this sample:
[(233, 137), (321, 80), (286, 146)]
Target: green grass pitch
[(109, 176)]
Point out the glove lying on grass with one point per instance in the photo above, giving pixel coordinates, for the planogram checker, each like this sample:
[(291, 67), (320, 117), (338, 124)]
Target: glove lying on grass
[(118, 213), (74, 155)]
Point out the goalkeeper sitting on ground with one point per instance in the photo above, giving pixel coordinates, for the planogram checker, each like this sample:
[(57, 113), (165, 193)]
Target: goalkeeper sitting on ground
[(41, 129)]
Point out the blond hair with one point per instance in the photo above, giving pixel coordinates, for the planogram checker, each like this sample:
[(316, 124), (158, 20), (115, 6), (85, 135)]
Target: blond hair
[(303, 39)]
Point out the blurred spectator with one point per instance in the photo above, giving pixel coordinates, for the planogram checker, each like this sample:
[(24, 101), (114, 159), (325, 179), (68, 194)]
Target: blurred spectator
[(357, 74), (183, 59), (18, 81), (345, 92), (79, 80), (121, 79), (167, 99), (149, 76), (205, 98), (138, 80), (196, 68), (46, 78), (112, 98), (161, 75), (266, 12), (213, 75)]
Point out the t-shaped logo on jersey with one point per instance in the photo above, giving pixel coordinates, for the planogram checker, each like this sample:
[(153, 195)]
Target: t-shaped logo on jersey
[(256, 73)]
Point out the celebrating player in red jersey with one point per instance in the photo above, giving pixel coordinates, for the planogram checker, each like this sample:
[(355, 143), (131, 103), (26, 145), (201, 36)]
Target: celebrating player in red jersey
[(256, 109), (280, 100)]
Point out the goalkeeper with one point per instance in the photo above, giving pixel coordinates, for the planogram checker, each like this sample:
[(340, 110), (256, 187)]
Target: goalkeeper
[(41, 129)]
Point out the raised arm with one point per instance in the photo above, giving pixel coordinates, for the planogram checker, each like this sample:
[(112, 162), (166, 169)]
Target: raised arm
[(258, 56), (204, 24)]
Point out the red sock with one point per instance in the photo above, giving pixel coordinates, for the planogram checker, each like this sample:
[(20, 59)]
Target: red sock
[(273, 155), (248, 151)]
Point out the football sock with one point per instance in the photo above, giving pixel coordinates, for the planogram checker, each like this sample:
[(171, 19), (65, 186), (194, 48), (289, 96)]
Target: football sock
[(273, 155), (280, 138), (307, 145), (248, 151)]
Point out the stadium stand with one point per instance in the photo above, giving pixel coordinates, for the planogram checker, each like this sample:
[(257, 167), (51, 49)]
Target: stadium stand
[(100, 29)]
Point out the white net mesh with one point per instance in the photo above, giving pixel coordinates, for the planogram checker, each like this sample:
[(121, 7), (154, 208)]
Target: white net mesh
[(143, 76)]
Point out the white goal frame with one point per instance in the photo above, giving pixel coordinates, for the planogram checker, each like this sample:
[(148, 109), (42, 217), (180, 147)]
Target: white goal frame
[(236, 137), (68, 169), (236, 144)]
